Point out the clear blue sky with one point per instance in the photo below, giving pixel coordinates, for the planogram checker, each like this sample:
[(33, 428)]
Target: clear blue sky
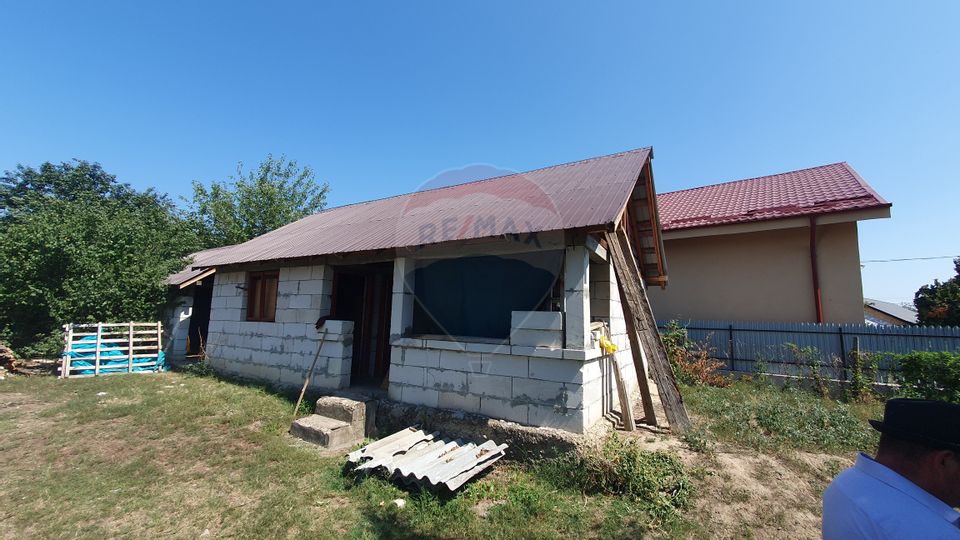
[(380, 98)]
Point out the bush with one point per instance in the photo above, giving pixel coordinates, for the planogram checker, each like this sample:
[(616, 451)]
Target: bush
[(931, 375), (690, 361), (620, 467)]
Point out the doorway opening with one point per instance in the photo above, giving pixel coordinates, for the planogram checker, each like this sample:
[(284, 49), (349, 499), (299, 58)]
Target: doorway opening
[(362, 294), (200, 317)]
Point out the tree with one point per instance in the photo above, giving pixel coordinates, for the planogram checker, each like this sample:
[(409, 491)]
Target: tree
[(275, 193), (78, 246), (939, 303)]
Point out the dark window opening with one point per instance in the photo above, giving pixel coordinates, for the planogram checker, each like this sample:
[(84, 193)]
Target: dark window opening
[(473, 296), (262, 296)]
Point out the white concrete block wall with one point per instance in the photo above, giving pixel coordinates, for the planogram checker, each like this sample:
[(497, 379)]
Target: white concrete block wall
[(280, 352), (537, 329), (531, 390), (576, 293)]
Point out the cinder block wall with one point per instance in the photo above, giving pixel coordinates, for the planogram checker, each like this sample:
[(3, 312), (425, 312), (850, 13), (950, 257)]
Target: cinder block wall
[(564, 388), (542, 389), (605, 305), (280, 352)]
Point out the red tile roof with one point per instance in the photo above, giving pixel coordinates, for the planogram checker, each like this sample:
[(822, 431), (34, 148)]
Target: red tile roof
[(818, 190), (586, 193)]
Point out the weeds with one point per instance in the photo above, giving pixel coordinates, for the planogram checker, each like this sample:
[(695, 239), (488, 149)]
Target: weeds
[(656, 480), (691, 361), (698, 440), (765, 417)]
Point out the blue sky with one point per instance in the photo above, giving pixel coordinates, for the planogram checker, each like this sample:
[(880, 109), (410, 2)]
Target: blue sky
[(381, 98)]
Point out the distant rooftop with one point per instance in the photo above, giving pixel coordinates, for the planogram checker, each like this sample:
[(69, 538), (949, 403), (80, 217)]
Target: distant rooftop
[(894, 310), (806, 192)]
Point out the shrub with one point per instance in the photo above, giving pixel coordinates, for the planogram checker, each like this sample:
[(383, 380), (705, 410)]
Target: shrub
[(691, 361), (931, 375), (620, 467)]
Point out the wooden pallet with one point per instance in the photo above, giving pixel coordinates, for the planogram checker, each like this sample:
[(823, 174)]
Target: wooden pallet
[(140, 343)]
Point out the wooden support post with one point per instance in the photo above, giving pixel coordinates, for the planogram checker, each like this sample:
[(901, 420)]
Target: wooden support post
[(636, 309), (96, 354), (159, 345), (130, 348)]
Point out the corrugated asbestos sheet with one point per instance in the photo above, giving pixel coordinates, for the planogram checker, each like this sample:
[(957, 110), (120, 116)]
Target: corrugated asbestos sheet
[(427, 459), (580, 194)]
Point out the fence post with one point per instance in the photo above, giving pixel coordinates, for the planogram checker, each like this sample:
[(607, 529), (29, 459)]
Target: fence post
[(843, 354), (65, 361), (730, 344)]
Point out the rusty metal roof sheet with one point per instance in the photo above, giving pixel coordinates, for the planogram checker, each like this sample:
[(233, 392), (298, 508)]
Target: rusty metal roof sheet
[(199, 260), (584, 193), (426, 459)]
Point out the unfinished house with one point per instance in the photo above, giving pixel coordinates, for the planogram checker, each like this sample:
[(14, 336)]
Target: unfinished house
[(488, 297)]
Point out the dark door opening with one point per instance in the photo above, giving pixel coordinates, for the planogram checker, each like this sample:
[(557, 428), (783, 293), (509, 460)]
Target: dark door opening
[(362, 294), (200, 316)]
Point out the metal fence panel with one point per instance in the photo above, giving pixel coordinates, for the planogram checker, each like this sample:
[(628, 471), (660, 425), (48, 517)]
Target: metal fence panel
[(743, 345)]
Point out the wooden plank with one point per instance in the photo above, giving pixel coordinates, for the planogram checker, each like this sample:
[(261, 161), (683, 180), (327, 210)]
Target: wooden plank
[(96, 354), (626, 409), (65, 361), (130, 348), (636, 307), (640, 368)]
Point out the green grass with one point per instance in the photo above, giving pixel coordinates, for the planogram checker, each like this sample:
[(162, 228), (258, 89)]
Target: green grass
[(177, 455), (764, 417)]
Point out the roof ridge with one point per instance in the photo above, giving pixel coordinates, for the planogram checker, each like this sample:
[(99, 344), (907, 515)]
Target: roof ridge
[(843, 163), (388, 197)]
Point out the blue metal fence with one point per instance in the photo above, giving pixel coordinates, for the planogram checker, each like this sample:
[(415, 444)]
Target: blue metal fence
[(742, 345)]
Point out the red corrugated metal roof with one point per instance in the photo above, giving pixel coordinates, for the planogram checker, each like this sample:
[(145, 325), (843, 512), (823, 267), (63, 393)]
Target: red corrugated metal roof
[(584, 193), (818, 190)]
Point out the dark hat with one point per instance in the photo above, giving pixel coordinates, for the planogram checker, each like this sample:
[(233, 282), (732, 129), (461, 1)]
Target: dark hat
[(932, 423)]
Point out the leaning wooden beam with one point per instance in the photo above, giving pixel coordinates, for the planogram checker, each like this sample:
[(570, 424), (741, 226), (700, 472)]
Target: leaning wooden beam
[(636, 309), (642, 377), (626, 408)]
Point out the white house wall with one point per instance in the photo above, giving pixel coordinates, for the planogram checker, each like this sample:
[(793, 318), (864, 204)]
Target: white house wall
[(280, 352)]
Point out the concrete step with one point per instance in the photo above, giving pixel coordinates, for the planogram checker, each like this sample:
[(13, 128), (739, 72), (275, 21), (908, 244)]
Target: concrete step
[(357, 410), (325, 431)]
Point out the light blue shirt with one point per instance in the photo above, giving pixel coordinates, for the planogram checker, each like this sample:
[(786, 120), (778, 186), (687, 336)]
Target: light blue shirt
[(870, 500)]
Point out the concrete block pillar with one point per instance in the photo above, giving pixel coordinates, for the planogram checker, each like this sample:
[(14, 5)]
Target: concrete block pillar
[(576, 295), (401, 315)]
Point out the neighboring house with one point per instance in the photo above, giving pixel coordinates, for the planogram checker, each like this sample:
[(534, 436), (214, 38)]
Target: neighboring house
[(478, 297), (880, 313), (775, 248)]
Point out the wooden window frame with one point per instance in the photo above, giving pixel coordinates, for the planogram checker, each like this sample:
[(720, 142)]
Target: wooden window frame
[(255, 287)]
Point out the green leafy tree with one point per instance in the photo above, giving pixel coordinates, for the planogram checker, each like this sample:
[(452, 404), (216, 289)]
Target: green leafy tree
[(275, 193), (78, 246), (939, 303)]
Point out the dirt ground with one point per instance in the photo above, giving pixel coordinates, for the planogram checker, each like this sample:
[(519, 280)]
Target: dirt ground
[(745, 494)]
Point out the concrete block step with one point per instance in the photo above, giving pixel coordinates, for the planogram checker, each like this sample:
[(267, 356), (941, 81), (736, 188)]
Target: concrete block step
[(325, 431), (357, 410)]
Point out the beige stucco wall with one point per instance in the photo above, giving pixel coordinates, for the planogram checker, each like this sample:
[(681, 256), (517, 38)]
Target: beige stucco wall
[(762, 276)]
